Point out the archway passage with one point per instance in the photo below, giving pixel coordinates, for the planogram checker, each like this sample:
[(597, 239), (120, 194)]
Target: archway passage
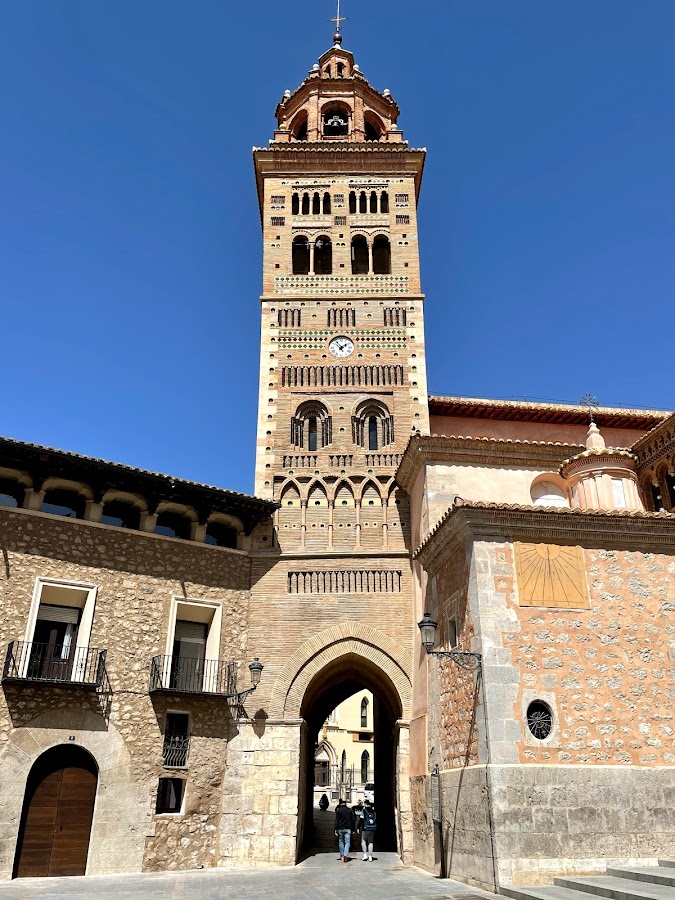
[(57, 812), (339, 680)]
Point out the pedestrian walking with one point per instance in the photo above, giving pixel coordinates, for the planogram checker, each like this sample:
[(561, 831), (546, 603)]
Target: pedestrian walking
[(344, 825), (368, 829)]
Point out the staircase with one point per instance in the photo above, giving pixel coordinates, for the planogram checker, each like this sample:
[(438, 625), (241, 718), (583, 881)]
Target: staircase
[(647, 883)]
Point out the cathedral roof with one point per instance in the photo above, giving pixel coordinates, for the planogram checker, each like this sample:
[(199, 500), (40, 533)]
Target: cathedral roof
[(630, 528), (551, 413)]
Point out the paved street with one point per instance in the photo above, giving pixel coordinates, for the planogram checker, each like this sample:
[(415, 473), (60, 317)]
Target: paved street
[(320, 876)]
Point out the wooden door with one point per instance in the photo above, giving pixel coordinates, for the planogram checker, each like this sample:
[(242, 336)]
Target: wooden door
[(57, 824)]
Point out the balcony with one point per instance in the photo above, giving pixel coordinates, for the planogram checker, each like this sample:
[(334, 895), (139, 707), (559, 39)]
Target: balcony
[(341, 284), (185, 675), (63, 665)]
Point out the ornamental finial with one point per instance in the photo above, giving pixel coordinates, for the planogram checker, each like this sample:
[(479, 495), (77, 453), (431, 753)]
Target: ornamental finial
[(338, 19)]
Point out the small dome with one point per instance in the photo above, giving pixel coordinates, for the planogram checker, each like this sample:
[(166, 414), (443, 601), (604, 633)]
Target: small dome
[(357, 68), (386, 92), (315, 67), (337, 38), (287, 94)]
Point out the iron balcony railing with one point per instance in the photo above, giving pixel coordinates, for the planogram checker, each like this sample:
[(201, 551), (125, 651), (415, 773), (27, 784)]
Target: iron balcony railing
[(61, 664), (185, 675), (175, 750)]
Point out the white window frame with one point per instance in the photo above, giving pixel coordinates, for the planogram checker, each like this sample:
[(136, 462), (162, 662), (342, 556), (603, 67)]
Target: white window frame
[(214, 624), (84, 629)]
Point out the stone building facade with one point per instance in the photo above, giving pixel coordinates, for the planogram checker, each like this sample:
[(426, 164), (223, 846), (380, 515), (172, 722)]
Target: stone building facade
[(538, 538), (535, 550)]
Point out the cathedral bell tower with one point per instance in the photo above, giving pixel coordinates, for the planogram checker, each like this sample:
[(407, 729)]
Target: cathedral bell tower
[(342, 365)]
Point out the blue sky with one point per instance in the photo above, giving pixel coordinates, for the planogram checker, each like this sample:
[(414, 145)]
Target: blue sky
[(129, 231)]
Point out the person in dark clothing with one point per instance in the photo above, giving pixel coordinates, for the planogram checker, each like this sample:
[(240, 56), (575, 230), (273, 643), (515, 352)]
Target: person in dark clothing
[(368, 828), (323, 802), (344, 825)]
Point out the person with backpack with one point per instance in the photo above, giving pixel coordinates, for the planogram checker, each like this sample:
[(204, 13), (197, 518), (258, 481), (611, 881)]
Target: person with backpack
[(368, 828)]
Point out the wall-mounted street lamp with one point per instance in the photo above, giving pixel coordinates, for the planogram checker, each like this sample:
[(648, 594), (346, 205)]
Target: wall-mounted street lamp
[(464, 659), (255, 669)]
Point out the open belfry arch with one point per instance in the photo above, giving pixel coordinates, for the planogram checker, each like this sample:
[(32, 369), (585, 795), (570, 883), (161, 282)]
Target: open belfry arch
[(342, 388)]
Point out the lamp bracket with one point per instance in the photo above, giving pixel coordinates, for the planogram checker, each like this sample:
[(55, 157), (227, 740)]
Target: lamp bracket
[(465, 660)]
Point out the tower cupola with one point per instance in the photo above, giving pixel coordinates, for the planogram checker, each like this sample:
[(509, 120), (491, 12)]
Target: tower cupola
[(336, 103)]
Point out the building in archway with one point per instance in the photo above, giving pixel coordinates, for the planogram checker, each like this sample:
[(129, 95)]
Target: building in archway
[(543, 550), (344, 754)]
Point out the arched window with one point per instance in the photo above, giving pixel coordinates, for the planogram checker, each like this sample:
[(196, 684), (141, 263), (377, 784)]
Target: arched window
[(340, 70), (372, 425), (311, 426), (64, 502), (295, 205), (670, 484), (173, 524), (312, 435), (384, 202), (359, 255), (364, 715), (299, 127), (373, 201), (323, 256), (371, 132), (381, 256), (363, 202), (326, 204), (373, 127), (372, 433), (305, 204), (352, 202), (316, 204), (11, 492), (365, 765), (336, 122), (219, 534), (300, 256), (657, 498), (121, 513)]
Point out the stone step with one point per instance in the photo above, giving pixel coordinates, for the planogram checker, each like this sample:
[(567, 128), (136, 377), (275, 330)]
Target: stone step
[(667, 863), (541, 893), (645, 873), (616, 888)]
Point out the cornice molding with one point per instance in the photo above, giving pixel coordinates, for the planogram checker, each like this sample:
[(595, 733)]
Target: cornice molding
[(656, 444), (430, 449), (647, 532)]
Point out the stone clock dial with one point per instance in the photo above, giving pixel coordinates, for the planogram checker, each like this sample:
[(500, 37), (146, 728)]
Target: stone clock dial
[(341, 347)]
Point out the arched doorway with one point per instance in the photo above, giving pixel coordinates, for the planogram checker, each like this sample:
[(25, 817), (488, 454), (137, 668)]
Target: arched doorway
[(340, 679), (57, 813)]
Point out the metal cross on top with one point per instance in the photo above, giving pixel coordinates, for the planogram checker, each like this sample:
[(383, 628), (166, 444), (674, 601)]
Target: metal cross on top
[(338, 19), (590, 402)]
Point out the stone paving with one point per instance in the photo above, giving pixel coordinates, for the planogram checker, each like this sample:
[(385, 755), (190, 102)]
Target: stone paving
[(319, 876)]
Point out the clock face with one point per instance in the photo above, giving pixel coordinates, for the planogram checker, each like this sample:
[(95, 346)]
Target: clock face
[(341, 346)]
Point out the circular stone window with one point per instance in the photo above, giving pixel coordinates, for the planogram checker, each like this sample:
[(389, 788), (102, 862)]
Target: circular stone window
[(539, 719)]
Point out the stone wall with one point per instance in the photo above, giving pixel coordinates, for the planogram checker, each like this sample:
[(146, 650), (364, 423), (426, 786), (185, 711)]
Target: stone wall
[(576, 820), (465, 851)]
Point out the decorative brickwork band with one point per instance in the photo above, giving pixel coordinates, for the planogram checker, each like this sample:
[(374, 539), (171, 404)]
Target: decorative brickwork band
[(341, 376), (360, 581)]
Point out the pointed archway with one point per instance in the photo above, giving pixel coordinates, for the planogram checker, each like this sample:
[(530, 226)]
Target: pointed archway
[(329, 668)]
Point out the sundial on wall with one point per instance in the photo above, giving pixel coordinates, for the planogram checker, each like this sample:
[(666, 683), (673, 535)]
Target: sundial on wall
[(551, 575)]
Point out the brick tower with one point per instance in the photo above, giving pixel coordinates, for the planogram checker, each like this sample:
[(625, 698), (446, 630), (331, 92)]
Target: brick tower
[(342, 387), (342, 366)]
